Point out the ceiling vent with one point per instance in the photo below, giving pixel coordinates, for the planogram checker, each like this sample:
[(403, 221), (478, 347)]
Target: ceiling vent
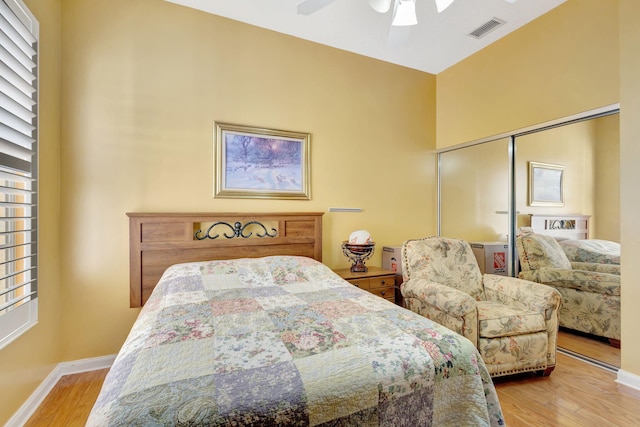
[(486, 28)]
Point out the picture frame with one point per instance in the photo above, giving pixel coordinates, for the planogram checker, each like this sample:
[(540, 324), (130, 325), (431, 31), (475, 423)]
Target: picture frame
[(260, 163), (546, 184)]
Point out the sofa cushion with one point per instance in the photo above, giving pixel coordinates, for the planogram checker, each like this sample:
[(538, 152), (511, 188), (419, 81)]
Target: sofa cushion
[(498, 320), (449, 262), (539, 251)]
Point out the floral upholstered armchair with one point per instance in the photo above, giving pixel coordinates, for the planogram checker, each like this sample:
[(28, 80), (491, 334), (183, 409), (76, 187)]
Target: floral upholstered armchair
[(590, 291), (512, 322)]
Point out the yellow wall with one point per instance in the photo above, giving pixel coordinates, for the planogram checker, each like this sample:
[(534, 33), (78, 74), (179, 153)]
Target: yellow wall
[(629, 178), (474, 186), (143, 83), (607, 179), (563, 63), (572, 146), (29, 359)]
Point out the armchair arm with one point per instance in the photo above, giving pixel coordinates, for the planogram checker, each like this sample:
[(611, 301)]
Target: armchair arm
[(447, 306), (522, 294), (593, 266), (587, 281), (532, 296)]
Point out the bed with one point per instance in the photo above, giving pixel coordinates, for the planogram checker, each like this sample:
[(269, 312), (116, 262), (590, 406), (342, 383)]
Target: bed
[(268, 337), (572, 232)]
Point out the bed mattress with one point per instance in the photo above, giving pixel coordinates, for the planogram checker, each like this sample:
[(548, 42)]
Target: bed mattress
[(285, 341)]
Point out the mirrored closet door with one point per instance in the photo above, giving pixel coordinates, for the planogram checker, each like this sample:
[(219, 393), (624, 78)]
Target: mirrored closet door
[(485, 191)]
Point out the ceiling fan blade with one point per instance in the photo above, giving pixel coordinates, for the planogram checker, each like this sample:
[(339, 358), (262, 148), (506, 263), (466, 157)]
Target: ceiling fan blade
[(443, 4), (404, 13), (381, 6), (307, 7)]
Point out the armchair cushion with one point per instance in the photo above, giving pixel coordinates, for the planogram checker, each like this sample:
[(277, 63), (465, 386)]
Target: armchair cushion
[(541, 251), (499, 320), (451, 264)]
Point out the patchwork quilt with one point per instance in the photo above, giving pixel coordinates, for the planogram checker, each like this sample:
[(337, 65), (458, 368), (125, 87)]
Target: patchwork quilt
[(285, 341)]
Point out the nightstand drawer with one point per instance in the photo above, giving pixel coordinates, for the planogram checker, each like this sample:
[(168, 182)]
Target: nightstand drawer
[(388, 293), (382, 282), (361, 283)]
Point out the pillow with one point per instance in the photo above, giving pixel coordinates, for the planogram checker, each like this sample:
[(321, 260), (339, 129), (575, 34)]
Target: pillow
[(539, 251)]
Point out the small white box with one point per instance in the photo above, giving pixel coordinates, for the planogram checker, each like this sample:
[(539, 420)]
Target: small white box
[(492, 257), (391, 259)]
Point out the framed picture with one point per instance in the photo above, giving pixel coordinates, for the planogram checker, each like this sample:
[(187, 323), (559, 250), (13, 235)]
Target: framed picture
[(546, 184), (253, 162)]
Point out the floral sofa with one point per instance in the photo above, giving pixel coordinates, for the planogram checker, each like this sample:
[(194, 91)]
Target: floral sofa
[(512, 322), (590, 291)]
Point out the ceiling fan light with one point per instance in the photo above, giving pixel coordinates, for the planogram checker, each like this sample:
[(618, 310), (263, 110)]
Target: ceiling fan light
[(380, 6), (443, 4), (405, 14)]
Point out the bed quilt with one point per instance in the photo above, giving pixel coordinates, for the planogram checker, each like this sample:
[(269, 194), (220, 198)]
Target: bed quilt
[(285, 341), (593, 250)]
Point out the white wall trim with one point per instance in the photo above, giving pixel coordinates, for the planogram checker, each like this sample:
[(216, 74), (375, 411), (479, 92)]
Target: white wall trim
[(628, 379), (65, 368)]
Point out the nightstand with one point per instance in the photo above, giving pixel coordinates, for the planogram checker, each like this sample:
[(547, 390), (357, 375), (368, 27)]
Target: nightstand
[(378, 281)]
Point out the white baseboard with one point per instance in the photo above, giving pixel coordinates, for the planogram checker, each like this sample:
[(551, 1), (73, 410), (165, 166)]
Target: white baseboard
[(628, 379), (65, 368)]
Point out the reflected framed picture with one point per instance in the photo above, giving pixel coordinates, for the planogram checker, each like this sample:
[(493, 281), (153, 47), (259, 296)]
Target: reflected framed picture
[(546, 184), (252, 162)]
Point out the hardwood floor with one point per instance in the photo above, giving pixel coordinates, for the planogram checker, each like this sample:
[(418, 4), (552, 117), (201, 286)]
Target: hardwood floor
[(70, 401), (576, 394), (595, 348)]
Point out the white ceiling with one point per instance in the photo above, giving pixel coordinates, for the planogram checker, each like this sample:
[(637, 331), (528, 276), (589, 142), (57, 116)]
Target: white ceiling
[(438, 41)]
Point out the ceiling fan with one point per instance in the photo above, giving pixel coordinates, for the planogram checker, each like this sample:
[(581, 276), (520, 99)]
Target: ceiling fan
[(404, 14)]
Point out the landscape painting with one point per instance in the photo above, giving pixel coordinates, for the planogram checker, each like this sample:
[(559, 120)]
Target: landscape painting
[(261, 163)]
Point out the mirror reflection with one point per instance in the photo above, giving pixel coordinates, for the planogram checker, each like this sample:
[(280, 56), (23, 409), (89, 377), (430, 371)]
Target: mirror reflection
[(474, 206)]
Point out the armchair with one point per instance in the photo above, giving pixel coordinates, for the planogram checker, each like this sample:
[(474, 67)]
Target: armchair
[(513, 323), (590, 291)]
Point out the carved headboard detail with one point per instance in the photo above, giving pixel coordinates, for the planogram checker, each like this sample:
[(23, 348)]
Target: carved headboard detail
[(574, 227), (159, 240)]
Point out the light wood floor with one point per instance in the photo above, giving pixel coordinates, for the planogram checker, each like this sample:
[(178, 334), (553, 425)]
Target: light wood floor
[(589, 346), (576, 394)]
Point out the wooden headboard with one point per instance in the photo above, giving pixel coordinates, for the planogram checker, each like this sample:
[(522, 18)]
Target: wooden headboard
[(575, 227), (159, 240)]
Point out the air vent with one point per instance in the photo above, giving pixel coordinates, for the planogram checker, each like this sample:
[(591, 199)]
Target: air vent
[(486, 28)]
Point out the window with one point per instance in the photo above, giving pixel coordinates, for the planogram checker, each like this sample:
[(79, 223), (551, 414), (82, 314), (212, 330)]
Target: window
[(18, 170)]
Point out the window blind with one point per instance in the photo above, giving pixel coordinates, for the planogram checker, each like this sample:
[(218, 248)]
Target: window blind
[(18, 169)]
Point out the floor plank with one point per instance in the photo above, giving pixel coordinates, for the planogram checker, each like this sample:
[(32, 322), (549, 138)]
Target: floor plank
[(596, 348), (576, 394)]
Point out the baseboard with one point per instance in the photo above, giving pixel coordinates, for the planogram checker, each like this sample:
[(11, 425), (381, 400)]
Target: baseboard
[(628, 379), (65, 368)]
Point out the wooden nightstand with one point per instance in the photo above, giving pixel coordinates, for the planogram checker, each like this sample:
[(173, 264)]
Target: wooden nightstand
[(378, 281)]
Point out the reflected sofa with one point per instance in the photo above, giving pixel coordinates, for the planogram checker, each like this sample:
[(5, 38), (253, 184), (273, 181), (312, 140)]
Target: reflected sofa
[(590, 291), (512, 322)]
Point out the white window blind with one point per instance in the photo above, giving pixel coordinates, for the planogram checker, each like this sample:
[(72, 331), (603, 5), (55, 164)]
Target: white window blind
[(18, 170)]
